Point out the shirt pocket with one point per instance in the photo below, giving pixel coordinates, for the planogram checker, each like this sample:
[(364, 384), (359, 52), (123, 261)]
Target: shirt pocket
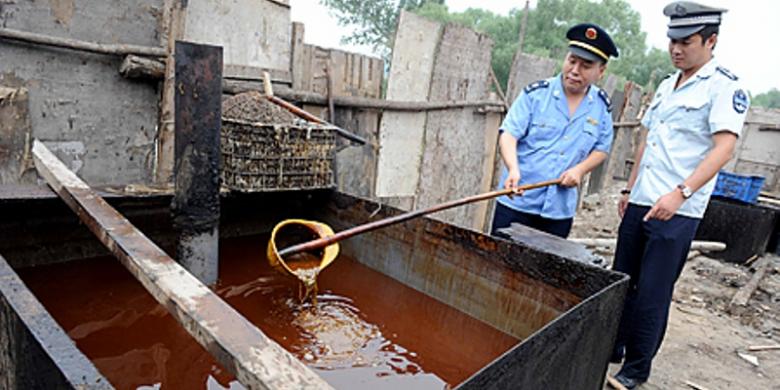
[(587, 140), (543, 132), (692, 116)]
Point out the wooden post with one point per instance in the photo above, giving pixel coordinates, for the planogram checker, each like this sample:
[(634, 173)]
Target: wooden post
[(256, 360), (174, 19), (483, 212)]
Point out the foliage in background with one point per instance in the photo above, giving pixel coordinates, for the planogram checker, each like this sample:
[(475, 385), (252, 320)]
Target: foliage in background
[(375, 23), (769, 99)]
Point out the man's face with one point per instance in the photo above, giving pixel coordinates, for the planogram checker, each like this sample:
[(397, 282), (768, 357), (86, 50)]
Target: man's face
[(579, 73), (689, 53)]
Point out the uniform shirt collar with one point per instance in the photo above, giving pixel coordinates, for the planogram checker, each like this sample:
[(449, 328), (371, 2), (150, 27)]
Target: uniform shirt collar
[(708, 69), (557, 89), (703, 73)]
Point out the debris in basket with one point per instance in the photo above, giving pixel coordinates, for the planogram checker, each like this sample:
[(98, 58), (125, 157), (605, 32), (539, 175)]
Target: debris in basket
[(253, 107)]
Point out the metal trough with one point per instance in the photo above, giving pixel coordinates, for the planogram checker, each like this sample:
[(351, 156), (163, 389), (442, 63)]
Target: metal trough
[(565, 312)]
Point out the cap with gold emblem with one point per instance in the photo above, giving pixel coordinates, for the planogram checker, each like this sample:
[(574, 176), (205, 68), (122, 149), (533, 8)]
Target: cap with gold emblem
[(591, 42), (687, 18)]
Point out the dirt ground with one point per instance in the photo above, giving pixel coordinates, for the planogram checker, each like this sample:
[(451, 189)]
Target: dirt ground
[(704, 338)]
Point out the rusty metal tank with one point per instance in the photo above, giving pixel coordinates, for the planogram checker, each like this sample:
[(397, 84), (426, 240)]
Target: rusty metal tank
[(563, 312)]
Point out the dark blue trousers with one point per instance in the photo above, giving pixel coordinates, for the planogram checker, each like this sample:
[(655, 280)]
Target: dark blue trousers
[(504, 216), (653, 254)]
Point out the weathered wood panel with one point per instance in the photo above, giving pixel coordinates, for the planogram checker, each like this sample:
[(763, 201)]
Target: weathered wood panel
[(356, 164), (455, 153), (102, 125), (254, 33), (758, 149), (15, 135), (526, 69), (401, 135), (622, 142)]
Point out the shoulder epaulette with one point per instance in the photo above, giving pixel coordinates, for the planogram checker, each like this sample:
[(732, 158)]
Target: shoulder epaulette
[(605, 97), (727, 73), (536, 85)]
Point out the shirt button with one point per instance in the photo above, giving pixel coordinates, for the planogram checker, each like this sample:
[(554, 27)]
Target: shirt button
[(561, 153)]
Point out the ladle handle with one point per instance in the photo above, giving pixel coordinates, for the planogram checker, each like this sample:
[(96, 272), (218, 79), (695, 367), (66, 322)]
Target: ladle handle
[(325, 241)]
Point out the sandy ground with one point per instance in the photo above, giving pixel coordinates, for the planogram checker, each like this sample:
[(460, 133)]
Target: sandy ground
[(704, 339)]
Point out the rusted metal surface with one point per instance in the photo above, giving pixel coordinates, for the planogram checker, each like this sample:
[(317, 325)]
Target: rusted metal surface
[(257, 361), (35, 353), (566, 311), (195, 206)]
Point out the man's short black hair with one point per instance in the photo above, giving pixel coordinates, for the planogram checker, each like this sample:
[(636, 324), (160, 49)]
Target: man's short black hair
[(708, 31)]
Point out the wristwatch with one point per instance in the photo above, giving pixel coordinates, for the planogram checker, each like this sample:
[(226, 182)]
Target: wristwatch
[(685, 190), (625, 191)]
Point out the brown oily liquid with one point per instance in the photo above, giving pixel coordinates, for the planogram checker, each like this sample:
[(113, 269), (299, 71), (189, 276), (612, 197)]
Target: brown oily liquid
[(365, 330)]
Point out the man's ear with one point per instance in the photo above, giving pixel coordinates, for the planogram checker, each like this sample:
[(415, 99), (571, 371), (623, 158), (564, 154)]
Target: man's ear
[(711, 41)]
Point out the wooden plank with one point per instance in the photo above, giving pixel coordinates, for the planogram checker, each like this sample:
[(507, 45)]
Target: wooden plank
[(356, 164), (75, 44), (454, 143), (401, 135), (256, 360), (296, 62), (742, 296), (15, 130), (622, 143), (173, 27), (527, 68), (482, 211), (252, 33)]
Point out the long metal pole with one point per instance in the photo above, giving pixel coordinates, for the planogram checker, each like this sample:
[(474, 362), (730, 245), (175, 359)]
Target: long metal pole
[(344, 234)]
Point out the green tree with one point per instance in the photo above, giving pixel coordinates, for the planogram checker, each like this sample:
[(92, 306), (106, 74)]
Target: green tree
[(374, 21), (547, 26), (770, 99)]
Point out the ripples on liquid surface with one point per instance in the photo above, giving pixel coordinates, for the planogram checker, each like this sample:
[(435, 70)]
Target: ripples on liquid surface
[(365, 331)]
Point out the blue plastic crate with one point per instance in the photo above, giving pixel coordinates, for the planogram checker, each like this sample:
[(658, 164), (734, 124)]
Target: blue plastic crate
[(738, 187)]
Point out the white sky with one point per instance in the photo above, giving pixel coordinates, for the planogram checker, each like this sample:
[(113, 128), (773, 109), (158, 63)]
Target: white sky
[(745, 45)]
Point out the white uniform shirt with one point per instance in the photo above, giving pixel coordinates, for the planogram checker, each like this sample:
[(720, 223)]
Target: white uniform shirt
[(681, 123)]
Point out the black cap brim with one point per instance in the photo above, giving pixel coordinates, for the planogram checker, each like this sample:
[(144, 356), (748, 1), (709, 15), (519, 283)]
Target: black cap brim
[(683, 32), (582, 53)]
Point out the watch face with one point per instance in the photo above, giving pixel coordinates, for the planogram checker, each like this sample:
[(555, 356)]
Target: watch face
[(686, 192)]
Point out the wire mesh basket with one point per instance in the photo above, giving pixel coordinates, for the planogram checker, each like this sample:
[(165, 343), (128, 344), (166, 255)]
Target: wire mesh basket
[(258, 157)]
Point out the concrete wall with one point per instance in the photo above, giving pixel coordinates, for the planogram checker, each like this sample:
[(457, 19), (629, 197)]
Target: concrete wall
[(98, 123)]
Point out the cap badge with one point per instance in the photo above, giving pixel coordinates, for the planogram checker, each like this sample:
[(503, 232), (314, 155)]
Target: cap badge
[(590, 33)]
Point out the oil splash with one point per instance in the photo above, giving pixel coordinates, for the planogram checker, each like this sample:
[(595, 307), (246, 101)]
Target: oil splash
[(306, 267)]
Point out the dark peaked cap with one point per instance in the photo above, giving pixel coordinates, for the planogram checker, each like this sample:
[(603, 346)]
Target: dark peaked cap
[(688, 18), (591, 42)]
